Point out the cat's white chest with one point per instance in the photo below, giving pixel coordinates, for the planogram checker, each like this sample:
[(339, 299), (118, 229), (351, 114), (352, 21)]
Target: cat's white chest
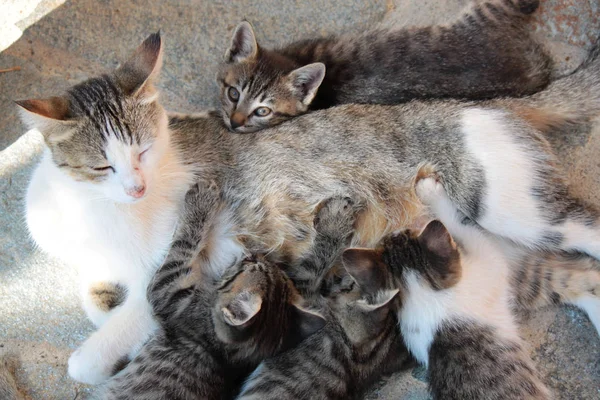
[(104, 239)]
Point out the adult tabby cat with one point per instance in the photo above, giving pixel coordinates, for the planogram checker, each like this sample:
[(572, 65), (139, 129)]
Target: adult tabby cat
[(497, 168), (262, 88), (215, 331)]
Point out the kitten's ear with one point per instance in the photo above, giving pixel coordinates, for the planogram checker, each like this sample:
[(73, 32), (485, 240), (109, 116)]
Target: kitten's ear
[(382, 299), (306, 322), (242, 309), (443, 255), (243, 44), (305, 81), (436, 238), (366, 267), (138, 73)]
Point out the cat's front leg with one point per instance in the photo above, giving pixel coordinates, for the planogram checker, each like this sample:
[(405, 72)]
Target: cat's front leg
[(118, 340), (433, 194)]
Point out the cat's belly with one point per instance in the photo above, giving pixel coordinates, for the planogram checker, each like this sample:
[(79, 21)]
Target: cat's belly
[(284, 228)]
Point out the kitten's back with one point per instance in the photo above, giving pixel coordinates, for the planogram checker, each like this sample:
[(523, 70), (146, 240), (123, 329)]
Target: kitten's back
[(469, 360)]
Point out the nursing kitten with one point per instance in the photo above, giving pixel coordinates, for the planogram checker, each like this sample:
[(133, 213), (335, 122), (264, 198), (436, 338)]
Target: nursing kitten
[(105, 199), (262, 88), (456, 315), (360, 341), (213, 331)]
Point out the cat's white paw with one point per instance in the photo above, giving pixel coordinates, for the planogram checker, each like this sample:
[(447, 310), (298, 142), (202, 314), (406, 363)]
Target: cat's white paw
[(86, 366), (429, 190)]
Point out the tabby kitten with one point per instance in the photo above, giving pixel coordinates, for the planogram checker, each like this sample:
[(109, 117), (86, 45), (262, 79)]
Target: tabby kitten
[(105, 199), (213, 331), (458, 295), (262, 88), (360, 341)]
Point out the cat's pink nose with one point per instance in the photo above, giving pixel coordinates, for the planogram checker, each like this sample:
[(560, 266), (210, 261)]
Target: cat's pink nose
[(136, 191)]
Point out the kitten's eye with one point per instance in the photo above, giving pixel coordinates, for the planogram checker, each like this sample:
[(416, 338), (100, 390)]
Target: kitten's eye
[(262, 111), (233, 93), (107, 168)]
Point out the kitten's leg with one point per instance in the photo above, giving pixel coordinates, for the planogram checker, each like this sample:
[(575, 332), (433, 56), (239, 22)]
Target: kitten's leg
[(432, 193), (543, 278), (334, 226), (520, 194)]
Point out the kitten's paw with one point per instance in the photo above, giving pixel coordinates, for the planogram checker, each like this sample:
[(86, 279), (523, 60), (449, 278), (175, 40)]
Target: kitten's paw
[(429, 190), (87, 366), (336, 216)]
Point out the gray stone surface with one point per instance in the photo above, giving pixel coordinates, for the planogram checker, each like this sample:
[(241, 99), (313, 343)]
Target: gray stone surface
[(65, 42)]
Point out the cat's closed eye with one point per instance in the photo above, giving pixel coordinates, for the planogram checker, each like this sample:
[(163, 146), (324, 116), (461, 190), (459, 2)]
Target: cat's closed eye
[(233, 93), (262, 111), (145, 151), (105, 168)]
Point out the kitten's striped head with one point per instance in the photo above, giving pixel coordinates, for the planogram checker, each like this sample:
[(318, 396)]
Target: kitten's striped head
[(260, 88), (109, 132), (431, 255), (259, 310)]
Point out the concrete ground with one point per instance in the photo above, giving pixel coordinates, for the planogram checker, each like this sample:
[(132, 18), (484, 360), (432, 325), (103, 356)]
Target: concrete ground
[(58, 43)]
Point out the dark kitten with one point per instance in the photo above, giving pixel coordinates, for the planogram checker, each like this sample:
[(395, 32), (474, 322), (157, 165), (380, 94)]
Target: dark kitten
[(487, 53), (213, 333)]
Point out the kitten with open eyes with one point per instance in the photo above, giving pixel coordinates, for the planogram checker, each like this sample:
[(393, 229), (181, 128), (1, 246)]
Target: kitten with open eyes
[(214, 330), (105, 199), (262, 88)]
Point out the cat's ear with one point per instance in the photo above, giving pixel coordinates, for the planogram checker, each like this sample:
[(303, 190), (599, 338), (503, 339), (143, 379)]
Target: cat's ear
[(243, 44), (242, 309), (383, 298), (305, 321), (305, 81), (366, 267), (51, 116), (139, 72), (442, 254), (56, 108)]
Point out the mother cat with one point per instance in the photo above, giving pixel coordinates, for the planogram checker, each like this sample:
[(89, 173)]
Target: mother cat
[(490, 157)]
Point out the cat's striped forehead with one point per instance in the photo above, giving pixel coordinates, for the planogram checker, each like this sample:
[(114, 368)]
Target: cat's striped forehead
[(104, 106)]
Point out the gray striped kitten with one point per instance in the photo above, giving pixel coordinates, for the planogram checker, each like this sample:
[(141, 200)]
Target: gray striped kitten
[(213, 332), (360, 341), (262, 88)]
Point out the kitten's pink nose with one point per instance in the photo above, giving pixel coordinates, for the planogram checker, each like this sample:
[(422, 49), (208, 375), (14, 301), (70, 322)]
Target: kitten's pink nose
[(136, 191)]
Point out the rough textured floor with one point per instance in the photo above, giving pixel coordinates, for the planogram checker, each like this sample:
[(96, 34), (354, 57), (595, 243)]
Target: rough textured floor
[(65, 42)]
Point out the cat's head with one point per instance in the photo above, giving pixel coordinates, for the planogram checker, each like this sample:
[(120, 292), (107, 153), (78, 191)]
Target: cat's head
[(259, 311), (431, 257), (109, 132), (260, 88), (362, 317)]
